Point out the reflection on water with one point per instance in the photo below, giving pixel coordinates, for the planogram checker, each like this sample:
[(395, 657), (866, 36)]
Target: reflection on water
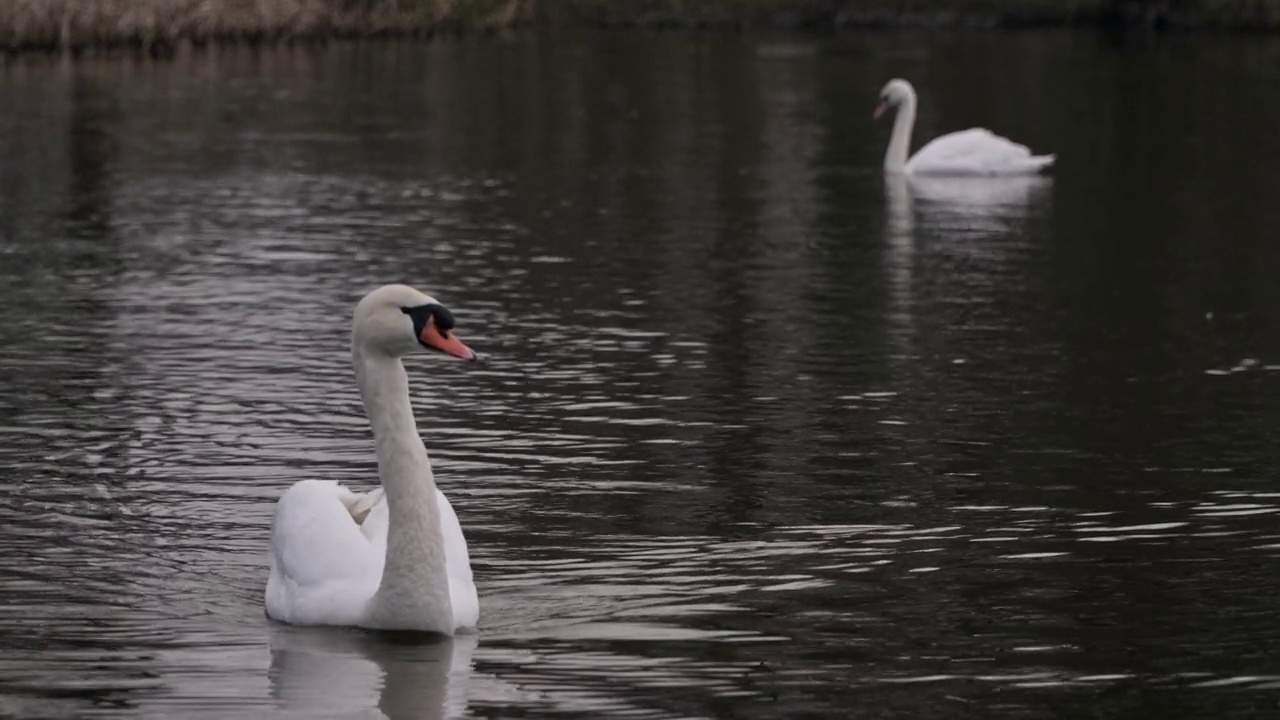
[(312, 671), (761, 433), (955, 240), (965, 207)]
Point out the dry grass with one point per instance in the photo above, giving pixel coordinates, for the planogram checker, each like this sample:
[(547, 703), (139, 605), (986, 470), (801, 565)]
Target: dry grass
[(823, 13), (1212, 14), (159, 25)]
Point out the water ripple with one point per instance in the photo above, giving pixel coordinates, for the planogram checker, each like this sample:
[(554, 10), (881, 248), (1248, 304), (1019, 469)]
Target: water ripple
[(757, 433)]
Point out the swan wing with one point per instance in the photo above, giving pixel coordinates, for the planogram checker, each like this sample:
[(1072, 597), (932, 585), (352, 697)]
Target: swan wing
[(462, 587), (371, 513), (976, 152), (360, 504), (323, 567), (375, 519)]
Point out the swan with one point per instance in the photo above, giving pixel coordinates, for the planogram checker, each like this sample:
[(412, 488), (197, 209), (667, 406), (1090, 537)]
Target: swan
[(394, 558), (969, 152)]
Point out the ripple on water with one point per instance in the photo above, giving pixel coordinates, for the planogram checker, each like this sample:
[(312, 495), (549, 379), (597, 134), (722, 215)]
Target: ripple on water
[(732, 452)]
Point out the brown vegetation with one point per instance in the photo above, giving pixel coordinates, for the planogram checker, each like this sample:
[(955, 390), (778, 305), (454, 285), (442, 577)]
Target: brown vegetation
[(158, 26), (1146, 14)]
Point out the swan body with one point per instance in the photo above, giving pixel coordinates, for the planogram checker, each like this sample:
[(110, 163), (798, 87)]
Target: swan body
[(968, 152), (394, 558)]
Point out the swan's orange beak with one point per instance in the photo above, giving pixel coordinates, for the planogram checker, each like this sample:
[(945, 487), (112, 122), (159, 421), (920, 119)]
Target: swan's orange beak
[(445, 342), (880, 108)]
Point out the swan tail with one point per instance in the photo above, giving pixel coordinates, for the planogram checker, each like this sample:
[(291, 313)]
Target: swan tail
[(1042, 163)]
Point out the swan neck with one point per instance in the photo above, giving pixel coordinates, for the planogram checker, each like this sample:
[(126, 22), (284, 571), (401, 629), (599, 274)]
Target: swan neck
[(895, 159), (384, 389), (414, 590)]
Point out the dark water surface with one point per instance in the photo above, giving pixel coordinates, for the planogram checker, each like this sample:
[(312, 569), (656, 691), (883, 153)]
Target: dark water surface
[(760, 435)]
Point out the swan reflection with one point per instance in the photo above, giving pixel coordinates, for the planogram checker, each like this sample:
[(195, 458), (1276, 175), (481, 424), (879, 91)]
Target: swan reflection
[(957, 203), (337, 672), (951, 241)]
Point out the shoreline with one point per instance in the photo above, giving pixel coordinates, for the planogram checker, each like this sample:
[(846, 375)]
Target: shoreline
[(158, 27)]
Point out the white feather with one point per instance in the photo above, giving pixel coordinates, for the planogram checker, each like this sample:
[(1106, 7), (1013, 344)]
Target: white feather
[(976, 152)]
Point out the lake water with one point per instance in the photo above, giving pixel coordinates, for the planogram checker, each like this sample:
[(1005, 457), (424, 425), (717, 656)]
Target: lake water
[(760, 435)]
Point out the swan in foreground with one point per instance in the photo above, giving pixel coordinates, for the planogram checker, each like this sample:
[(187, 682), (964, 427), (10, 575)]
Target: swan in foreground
[(394, 558), (969, 152)]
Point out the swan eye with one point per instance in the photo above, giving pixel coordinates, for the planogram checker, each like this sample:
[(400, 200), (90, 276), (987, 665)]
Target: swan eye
[(432, 325), (421, 313), (444, 319)]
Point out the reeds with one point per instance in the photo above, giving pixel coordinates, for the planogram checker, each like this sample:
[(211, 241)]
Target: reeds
[(159, 26), (1234, 15)]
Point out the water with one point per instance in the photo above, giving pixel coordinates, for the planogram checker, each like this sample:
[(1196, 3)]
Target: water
[(760, 434)]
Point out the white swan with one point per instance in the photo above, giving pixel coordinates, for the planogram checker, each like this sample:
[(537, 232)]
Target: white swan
[(394, 558), (968, 152)]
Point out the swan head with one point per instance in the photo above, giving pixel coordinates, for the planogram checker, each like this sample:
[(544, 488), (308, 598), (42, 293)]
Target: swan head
[(894, 93), (398, 320)]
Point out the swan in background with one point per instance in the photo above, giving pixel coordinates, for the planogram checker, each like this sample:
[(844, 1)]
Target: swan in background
[(969, 152), (394, 558)]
